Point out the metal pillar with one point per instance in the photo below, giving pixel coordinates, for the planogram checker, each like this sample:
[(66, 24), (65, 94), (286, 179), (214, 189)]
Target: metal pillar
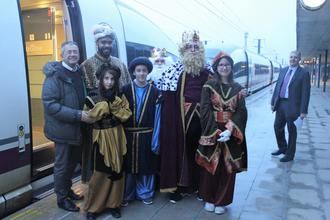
[(325, 74), (314, 71), (319, 74)]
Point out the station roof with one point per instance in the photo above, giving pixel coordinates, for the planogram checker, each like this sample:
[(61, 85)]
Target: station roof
[(313, 31)]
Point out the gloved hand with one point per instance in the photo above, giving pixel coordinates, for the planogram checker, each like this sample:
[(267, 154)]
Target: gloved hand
[(224, 136), (110, 95)]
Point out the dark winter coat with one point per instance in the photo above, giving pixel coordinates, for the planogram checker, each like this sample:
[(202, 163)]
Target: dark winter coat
[(62, 104)]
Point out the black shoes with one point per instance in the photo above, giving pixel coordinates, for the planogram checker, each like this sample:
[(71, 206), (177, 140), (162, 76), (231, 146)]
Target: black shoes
[(90, 216), (115, 212), (68, 205), (175, 197), (75, 196), (278, 152), (286, 159)]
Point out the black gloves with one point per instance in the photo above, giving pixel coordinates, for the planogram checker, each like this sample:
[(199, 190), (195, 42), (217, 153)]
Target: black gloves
[(110, 95)]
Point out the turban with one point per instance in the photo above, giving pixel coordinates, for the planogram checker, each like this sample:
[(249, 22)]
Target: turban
[(102, 30)]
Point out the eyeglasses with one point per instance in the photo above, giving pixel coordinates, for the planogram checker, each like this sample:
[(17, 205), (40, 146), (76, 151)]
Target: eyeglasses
[(224, 65), (192, 46)]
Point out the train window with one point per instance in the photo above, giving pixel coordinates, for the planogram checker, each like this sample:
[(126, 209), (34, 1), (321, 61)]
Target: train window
[(46, 25), (261, 69), (240, 67), (136, 50), (115, 50)]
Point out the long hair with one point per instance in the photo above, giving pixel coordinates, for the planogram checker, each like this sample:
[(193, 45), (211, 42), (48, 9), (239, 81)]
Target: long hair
[(100, 74), (215, 68)]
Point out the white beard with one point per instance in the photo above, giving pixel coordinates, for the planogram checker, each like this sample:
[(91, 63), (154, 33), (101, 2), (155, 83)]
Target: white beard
[(193, 63)]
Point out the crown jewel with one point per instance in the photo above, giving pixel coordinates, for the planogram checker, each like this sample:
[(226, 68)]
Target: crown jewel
[(190, 36), (157, 52)]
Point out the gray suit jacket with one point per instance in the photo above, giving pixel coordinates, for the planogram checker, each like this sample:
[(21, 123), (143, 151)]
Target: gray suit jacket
[(299, 92)]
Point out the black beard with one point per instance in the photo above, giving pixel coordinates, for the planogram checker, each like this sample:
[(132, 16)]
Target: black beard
[(104, 53)]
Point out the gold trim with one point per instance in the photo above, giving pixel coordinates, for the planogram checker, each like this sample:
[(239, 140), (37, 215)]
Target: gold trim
[(191, 116), (91, 100), (217, 149), (182, 101), (213, 90), (137, 154), (134, 101), (228, 92), (211, 135), (141, 132), (236, 127), (231, 157), (168, 190)]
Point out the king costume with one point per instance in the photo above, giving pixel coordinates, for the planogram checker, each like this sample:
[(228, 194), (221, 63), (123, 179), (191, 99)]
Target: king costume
[(180, 130)]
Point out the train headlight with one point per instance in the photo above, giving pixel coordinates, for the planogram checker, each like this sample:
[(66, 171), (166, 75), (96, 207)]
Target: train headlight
[(312, 5)]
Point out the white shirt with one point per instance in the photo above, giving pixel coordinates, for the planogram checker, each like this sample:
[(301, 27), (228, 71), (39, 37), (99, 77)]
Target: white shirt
[(294, 69), (66, 66)]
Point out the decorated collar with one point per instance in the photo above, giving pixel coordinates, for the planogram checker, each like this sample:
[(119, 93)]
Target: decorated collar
[(170, 77)]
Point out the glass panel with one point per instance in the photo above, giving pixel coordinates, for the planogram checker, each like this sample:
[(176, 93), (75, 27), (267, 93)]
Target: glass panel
[(44, 33), (135, 50)]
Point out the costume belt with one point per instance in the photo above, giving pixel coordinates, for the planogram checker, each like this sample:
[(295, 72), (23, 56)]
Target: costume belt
[(107, 122), (139, 129), (222, 117)]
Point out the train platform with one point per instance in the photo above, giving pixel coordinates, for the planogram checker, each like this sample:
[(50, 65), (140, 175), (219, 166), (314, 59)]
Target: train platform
[(269, 190)]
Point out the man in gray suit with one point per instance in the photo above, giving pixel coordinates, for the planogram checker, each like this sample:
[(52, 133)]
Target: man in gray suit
[(290, 101)]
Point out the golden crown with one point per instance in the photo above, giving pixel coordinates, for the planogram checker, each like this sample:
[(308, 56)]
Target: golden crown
[(157, 52), (190, 36)]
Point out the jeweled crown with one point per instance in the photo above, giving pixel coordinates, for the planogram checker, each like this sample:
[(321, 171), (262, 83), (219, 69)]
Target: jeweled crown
[(190, 36)]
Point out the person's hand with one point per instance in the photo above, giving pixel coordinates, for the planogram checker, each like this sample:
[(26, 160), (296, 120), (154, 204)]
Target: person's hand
[(302, 116), (86, 118), (224, 136), (110, 95)]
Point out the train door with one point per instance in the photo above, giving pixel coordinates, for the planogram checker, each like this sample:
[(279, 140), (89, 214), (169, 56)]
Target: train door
[(46, 25), (15, 150)]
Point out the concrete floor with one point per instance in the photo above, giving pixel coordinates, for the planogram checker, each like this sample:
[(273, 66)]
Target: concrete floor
[(269, 190)]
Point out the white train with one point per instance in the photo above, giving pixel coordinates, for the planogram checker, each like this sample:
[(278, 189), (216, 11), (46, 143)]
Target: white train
[(32, 32), (252, 71)]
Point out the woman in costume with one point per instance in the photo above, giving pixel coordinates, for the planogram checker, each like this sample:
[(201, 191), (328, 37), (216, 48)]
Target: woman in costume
[(106, 187), (222, 151)]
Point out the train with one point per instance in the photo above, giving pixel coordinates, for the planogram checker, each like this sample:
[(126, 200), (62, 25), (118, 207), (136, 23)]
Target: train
[(253, 71), (33, 31)]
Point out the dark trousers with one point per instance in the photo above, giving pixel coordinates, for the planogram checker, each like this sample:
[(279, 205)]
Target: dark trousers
[(66, 159), (282, 119)]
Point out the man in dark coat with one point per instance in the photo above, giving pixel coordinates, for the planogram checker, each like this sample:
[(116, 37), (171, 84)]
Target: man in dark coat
[(290, 101), (63, 96)]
